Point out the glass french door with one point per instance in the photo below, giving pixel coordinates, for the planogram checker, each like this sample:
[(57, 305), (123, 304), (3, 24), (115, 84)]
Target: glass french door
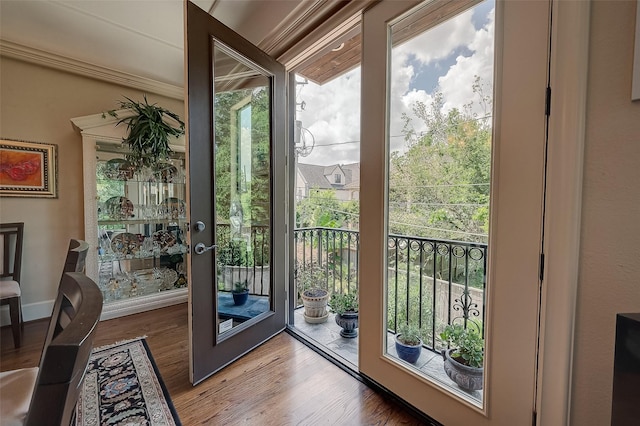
[(453, 153), (236, 162)]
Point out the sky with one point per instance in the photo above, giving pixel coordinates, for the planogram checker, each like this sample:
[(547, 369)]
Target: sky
[(445, 58)]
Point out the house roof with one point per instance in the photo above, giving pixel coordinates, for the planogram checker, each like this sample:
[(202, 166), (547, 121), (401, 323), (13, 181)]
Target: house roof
[(315, 175), (352, 173)]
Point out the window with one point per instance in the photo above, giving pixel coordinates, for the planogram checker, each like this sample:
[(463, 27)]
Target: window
[(337, 178)]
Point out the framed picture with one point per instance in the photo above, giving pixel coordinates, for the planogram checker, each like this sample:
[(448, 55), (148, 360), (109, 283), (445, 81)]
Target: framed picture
[(28, 169)]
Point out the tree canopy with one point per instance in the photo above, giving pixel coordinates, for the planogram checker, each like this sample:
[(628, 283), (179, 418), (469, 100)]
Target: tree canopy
[(439, 186)]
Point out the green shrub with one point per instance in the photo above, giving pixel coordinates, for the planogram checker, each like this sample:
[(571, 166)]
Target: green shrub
[(467, 342), (343, 302), (409, 334)]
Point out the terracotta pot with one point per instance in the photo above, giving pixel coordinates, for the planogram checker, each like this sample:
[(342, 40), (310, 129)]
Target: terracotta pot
[(315, 305)]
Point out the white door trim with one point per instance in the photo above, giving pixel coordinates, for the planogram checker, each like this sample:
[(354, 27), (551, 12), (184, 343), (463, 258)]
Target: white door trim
[(569, 64)]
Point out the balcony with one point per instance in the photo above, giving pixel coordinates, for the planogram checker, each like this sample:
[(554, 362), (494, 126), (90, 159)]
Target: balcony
[(430, 283)]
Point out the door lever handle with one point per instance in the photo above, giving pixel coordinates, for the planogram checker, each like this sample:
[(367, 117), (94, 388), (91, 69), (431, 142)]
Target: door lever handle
[(200, 248)]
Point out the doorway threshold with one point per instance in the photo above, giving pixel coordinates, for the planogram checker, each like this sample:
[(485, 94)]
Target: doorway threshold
[(346, 359)]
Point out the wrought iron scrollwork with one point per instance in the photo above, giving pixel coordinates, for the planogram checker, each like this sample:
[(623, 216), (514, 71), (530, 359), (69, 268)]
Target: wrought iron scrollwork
[(468, 307)]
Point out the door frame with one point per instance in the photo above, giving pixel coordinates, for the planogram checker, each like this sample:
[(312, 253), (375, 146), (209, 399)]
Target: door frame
[(511, 282), (570, 48), (567, 125)]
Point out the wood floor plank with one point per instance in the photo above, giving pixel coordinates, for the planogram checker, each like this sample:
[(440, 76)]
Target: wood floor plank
[(282, 382)]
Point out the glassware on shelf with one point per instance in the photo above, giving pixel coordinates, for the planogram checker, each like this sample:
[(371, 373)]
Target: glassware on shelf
[(141, 228)]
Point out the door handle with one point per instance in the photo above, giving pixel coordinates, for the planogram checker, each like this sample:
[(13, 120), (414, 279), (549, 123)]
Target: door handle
[(200, 248)]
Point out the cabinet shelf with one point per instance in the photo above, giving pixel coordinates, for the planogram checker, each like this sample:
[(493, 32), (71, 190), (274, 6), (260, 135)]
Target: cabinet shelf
[(112, 257), (149, 182), (169, 222)]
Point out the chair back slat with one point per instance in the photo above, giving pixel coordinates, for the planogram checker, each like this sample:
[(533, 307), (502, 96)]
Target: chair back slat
[(66, 351), (11, 235), (76, 256)]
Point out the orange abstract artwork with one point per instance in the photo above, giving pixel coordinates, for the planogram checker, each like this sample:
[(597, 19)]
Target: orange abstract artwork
[(28, 169), (21, 169)]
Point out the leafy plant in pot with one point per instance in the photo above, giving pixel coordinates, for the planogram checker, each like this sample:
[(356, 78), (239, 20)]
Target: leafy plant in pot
[(149, 130), (408, 342), (240, 293), (345, 306), (312, 284), (463, 362)]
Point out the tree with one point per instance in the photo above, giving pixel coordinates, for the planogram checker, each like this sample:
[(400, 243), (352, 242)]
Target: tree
[(253, 195), (322, 208), (444, 175)]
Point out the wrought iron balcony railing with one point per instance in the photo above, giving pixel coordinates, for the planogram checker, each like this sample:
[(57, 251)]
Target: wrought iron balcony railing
[(430, 283)]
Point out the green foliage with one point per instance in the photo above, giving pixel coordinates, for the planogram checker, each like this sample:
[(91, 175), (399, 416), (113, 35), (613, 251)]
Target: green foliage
[(311, 277), (439, 187), (409, 334), (343, 302), (240, 287), (149, 132), (467, 342), (398, 298), (323, 209), (253, 194), (234, 253)]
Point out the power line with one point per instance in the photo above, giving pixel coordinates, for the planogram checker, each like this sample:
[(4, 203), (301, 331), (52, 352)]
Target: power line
[(354, 141), (438, 229), (439, 204), (442, 185)]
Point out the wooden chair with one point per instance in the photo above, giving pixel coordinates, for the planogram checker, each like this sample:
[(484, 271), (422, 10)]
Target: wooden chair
[(76, 256), (11, 238), (47, 395)]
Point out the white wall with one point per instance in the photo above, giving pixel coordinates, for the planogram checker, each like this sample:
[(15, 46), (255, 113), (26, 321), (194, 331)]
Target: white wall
[(36, 105), (609, 271)]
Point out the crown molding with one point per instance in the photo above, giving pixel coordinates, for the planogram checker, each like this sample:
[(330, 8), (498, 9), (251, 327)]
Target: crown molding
[(51, 60)]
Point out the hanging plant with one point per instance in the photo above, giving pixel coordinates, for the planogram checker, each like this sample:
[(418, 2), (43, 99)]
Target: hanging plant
[(149, 132)]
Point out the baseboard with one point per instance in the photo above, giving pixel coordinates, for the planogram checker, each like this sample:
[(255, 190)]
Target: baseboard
[(30, 312), (136, 305)]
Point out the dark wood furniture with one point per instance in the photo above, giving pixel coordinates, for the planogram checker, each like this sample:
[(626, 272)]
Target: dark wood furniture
[(625, 406), (56, 383), (76, 256), (11, 238)]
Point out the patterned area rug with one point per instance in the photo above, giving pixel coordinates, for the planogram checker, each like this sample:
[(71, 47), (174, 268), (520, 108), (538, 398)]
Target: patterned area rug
[(123, 387)]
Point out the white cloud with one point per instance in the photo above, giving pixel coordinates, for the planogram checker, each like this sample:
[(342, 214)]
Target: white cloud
[(332, 111), (480, 63), (440, 41)]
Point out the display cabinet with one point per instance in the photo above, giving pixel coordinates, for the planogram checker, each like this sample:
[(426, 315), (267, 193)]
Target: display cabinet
[(135, 221)]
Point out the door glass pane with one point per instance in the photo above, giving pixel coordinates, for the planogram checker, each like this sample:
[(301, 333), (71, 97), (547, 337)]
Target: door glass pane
[(439, 151), (242, 112)]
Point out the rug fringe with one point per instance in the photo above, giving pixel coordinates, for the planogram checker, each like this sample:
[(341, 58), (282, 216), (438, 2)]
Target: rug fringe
[(120, 342)]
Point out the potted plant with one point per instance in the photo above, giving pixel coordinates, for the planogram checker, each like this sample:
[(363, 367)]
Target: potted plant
[(240, 293), (463, 362), (345, 306), (149, 130), (312, 284), (408, 342)]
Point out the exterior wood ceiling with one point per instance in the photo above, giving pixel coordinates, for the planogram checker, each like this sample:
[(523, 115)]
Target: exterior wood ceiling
[(334, 63), (328, 64)]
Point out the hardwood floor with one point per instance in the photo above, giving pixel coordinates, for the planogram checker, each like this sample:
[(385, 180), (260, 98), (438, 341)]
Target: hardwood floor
[(282, 382)]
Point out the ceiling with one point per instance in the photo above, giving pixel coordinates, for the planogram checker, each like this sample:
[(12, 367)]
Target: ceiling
[(142, 37)]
